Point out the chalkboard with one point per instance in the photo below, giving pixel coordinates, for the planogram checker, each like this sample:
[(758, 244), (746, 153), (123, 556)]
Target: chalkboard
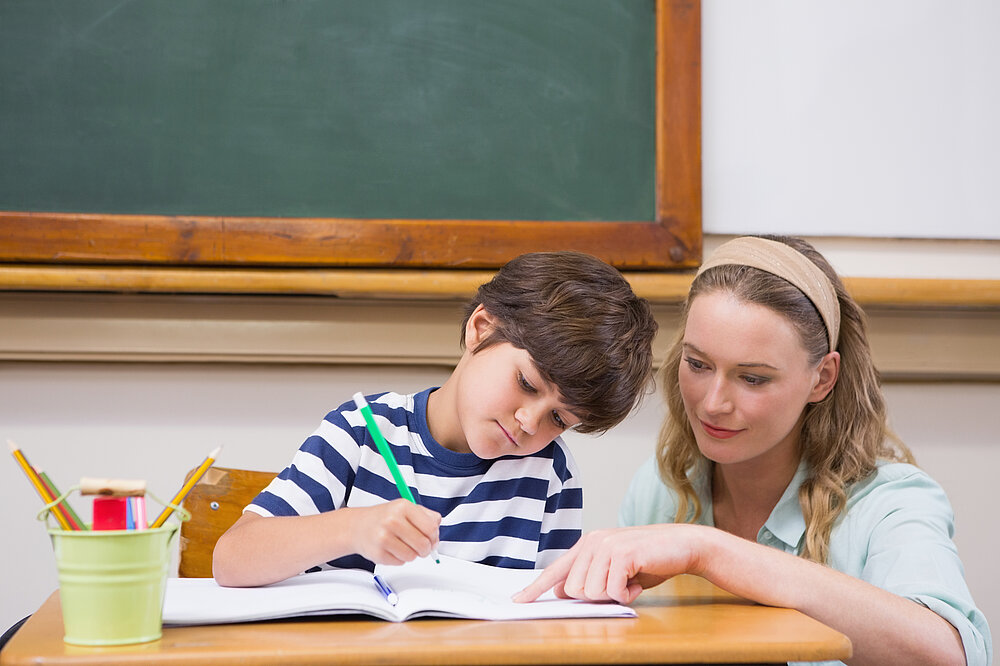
[(348, 132)]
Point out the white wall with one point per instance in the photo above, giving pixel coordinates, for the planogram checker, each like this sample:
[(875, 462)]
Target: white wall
[(852, 117), (157, 421)]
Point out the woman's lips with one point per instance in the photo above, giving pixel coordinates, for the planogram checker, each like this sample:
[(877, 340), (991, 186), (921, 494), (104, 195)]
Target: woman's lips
[(719, 433)]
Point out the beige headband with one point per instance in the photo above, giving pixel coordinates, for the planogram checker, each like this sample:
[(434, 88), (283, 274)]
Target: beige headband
[(786, 262)]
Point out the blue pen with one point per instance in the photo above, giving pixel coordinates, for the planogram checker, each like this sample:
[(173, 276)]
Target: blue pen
[(129, 515), (386, 591)]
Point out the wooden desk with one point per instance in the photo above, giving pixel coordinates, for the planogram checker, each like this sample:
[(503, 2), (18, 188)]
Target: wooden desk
[(684, 620)]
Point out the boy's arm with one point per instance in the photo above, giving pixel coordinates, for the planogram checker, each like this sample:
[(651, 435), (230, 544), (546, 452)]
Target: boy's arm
[(259, 551)]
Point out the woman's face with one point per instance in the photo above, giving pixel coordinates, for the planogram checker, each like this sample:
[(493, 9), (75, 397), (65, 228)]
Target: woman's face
[(745, 378)]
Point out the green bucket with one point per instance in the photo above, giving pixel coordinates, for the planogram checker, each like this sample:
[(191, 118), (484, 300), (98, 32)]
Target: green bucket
[(111, 583)]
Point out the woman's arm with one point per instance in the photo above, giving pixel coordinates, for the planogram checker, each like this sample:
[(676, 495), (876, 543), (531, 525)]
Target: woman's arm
[(258, 550), (883, 627)]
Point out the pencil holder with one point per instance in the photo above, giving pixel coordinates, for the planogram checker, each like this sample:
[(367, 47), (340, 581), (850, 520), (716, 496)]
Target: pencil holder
[(112, 582)]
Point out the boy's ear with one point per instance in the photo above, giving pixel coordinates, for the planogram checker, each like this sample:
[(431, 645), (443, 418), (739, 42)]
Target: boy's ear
[(481, 323)]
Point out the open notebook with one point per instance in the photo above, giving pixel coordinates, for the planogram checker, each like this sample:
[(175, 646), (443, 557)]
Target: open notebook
[(453, 588)]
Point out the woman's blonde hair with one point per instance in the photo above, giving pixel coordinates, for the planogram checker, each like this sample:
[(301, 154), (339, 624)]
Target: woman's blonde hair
[(843, 436)]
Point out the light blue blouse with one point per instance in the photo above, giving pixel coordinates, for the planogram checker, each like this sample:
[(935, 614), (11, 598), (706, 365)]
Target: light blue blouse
[(896, 534)]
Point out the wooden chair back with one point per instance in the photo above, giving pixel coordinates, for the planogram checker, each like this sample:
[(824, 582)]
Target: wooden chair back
[(215, 503)]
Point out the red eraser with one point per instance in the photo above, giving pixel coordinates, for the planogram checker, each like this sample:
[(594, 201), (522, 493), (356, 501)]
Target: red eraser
[(109, 513)]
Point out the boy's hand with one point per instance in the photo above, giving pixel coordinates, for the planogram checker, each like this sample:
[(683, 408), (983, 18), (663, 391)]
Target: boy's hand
[(395, 532)]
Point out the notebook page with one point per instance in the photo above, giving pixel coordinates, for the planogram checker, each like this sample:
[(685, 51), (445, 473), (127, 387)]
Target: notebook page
[(203, 601), (466, 589)]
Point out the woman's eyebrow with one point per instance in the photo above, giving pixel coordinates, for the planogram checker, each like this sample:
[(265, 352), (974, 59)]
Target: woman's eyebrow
[(748, 364)]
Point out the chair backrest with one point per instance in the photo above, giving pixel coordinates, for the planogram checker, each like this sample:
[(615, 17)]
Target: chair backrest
[(215, 503)]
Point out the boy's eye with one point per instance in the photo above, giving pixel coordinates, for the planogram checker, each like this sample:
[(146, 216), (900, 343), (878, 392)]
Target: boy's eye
[(524, 383), (558, 421), (754, 380)]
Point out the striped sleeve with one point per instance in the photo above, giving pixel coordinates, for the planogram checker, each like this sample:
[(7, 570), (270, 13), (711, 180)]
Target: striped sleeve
[(320, 474), (563, 518)]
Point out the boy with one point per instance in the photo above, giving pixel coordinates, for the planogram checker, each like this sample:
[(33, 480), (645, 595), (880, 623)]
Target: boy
[(555, 341)]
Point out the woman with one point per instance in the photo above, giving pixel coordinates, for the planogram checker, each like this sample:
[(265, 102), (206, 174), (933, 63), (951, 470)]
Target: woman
[(776, 476)]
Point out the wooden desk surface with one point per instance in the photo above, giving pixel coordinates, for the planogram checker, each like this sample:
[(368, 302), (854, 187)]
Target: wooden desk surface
[(684, 620)]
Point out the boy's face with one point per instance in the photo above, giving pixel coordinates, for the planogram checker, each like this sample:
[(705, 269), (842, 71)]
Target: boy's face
[(503, 406)]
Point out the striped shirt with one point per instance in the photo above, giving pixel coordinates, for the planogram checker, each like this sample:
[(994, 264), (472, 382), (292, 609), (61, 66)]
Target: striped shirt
[(519, 512)]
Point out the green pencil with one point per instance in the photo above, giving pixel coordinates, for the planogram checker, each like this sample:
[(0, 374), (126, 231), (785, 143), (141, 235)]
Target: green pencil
[(383, 448), (55, 494)]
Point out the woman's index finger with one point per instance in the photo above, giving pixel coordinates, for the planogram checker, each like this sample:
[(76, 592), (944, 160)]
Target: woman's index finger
[(550, 576)]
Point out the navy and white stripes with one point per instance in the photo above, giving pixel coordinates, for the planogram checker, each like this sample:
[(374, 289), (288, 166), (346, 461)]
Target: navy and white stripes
[(516, 512)]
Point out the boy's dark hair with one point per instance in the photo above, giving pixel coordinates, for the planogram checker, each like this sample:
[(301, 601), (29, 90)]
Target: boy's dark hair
[(586, 331)]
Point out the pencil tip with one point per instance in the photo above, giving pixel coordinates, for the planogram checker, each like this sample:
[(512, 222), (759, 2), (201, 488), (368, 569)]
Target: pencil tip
[(215, 452), (12, 445)]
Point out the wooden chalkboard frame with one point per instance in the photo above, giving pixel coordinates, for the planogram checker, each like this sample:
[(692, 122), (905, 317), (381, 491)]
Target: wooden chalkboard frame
[(673, 240)]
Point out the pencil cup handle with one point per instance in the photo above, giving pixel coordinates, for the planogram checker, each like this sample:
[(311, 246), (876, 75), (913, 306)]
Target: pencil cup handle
[(185, 515), (47, 509)]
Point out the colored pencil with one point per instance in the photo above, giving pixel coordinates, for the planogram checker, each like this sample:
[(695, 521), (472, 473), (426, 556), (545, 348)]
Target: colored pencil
[(186, 488), (36, 482), (63, 507)]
